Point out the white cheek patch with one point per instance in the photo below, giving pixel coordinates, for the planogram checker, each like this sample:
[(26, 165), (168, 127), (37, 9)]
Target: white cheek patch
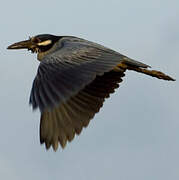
[(44, 43)]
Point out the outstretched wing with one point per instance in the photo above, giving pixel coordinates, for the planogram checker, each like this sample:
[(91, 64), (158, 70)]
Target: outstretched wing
[(64, 121), (70, 87)]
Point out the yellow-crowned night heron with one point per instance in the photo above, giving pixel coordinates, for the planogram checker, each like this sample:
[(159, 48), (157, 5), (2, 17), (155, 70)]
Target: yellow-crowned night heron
[(73, 79)]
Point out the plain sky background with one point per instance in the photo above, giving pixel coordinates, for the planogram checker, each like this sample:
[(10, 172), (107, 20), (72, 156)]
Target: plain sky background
[(136, 134)]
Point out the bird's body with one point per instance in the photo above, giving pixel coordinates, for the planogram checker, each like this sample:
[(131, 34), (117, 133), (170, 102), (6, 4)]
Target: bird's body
[(73, 79)]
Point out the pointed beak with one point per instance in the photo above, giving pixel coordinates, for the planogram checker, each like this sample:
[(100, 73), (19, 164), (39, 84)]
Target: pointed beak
[(21, 45)]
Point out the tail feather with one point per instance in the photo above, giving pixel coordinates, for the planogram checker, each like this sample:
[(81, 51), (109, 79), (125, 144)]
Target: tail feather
[(137, 66), (153, 73)]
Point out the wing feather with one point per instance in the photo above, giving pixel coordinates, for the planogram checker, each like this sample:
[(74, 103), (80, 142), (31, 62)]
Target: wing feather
[(66, 71), (75, 114), (70, 87)]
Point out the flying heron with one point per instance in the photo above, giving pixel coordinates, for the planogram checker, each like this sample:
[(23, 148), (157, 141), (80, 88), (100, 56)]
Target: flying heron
[(74, 78)]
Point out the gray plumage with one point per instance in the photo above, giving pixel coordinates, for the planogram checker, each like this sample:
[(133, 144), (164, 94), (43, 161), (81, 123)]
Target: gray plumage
[(73, 79)]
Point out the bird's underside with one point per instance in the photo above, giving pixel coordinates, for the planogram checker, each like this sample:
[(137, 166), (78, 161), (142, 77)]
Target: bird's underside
[(74, 78)]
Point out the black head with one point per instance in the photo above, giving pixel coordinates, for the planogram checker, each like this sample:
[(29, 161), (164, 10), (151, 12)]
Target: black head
[(39, 43)]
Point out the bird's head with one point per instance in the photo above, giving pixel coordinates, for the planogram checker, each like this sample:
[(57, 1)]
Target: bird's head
[(36, 44)]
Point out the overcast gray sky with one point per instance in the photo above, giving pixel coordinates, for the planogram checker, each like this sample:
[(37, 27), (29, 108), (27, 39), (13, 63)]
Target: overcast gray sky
[(136, 134)]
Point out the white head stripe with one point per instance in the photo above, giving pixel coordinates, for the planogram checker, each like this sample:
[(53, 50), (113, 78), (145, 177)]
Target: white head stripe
[(45, 43)]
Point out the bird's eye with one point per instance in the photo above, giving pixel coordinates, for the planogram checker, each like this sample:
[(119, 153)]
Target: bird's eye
[(35, 40)]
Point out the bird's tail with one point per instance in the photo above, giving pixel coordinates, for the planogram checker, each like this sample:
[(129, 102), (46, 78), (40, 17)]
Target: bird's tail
[(133, 65), (153, 73)]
